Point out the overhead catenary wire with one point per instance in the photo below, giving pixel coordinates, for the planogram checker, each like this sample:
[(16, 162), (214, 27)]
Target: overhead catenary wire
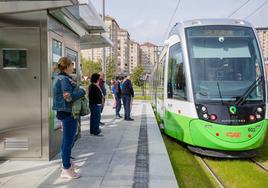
[(172, 16), (256, 10), (236, 10)]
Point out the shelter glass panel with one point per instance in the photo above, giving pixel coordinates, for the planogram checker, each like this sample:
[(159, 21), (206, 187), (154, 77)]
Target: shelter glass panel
[(56, 55)]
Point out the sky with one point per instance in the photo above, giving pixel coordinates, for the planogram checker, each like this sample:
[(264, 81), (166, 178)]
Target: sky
[(148, 20)]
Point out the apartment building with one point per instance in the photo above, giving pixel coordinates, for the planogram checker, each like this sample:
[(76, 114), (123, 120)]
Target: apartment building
[(263, 36), (126, 53), (123, 51), (134, 55), (149, 56), (96, 54)]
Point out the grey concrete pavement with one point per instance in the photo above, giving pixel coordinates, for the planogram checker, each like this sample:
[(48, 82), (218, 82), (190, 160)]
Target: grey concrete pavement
[(105, 162)]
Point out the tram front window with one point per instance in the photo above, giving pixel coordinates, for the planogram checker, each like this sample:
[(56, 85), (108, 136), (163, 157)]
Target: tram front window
[(225, 62)]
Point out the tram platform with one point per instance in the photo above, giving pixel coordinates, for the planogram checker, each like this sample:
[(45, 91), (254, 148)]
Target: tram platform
[(131, 154)]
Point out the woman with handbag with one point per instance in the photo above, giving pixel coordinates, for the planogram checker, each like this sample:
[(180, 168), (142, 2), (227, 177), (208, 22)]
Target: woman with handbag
[(64, 94)]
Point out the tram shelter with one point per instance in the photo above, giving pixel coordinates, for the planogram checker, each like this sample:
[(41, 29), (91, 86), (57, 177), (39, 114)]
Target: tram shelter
[(33, 36)]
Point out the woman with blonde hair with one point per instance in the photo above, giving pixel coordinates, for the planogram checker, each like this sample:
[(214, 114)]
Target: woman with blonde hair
[(64, 93)]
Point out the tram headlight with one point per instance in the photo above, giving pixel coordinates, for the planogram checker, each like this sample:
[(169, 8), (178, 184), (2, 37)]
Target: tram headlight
[(258, 116), (204, 109), (259, 110), (205, 116)]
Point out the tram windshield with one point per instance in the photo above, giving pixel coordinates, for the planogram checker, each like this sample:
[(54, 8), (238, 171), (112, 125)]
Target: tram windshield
[(225, 63)]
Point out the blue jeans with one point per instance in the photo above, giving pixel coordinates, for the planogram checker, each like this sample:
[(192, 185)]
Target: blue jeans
[(126, 103), (118, 105), (69, 130), (95, 115)]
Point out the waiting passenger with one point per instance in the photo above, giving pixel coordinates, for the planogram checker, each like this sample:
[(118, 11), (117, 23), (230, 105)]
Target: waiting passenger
[(64, 93), (95, 98), (127, 95), (101, 84), (118, 96), (113, 90)]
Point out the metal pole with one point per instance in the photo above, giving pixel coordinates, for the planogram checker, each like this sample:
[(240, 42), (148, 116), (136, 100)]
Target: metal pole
[(145, 89), (103, 61)]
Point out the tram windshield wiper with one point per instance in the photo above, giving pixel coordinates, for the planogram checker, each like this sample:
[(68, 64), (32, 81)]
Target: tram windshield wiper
[(202, 93), (251, 88)]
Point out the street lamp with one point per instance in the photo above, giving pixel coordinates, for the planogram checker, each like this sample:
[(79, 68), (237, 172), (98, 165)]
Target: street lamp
[(142, 84), (145, 80), (103, 61)]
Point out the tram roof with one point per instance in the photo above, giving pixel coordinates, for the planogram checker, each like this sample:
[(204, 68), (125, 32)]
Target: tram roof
[(210, 21)]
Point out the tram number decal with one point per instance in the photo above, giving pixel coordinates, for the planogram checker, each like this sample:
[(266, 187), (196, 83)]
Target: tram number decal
[(251, 129)]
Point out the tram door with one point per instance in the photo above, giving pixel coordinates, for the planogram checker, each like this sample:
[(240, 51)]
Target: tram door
[(20, 97)]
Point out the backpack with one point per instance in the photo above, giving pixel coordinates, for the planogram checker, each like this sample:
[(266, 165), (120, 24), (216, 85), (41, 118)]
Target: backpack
[(80, 107)]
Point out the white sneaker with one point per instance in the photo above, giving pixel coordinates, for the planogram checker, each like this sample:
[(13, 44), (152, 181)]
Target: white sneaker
[(74, 166), (69, 174)]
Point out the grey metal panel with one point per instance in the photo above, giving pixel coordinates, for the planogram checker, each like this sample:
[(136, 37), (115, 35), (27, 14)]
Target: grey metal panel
[(68, 20), (32, 5), (30, 19), (89, 17), (20, 94), (95, 41), (45, 86)]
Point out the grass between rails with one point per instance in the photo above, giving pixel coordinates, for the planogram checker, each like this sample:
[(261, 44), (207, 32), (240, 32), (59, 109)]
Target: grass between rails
[(242, 173), (263, 153), (188, 171), (239, 173)]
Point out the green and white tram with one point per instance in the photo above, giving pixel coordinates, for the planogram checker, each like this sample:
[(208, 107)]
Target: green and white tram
[(209, 87)]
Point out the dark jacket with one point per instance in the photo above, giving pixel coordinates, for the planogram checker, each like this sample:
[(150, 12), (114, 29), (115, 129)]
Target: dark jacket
[(118, 91), (102, 86), (127, 88), (63, 83), (94, 94)]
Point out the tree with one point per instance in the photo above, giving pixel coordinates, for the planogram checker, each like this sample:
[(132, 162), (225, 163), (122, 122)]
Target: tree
[(137, 74), (89, 67), (110, 69)]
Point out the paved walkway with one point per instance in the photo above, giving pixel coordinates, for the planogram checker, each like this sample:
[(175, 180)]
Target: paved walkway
[(131, 154)]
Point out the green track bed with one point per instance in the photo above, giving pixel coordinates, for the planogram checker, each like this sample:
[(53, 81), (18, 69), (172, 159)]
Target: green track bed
[(233, 173), (239, 173), (188, 171)]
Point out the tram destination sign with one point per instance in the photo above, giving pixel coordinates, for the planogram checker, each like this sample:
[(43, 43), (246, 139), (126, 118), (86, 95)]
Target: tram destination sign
[(219, 32)]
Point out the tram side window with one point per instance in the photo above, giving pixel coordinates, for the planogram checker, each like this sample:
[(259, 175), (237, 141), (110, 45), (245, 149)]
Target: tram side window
[(162, 64), (176, 74)]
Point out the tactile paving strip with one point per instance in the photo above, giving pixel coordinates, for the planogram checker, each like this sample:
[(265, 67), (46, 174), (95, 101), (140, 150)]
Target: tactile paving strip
[(141, 176)]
